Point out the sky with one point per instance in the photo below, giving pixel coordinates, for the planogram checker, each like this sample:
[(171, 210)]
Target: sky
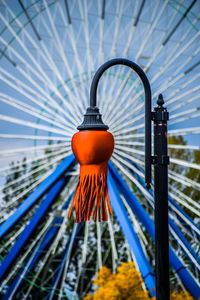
[(46, 68)]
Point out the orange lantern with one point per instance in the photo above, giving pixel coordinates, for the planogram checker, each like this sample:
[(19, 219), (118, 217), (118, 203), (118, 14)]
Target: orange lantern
[(92, 148)]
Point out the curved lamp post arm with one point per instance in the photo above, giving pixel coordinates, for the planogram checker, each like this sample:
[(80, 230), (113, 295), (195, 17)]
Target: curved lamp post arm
[(147, 90)]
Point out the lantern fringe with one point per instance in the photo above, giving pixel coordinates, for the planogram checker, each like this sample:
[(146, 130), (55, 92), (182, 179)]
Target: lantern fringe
[(91, 194)]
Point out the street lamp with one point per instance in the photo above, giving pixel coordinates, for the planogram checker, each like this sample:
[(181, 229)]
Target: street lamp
[(92, 122)]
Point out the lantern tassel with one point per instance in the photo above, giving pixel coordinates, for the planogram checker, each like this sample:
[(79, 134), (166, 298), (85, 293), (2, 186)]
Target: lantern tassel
[(91, 193)]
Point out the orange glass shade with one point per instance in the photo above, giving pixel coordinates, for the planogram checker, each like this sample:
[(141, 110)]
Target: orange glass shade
[(92, 149)]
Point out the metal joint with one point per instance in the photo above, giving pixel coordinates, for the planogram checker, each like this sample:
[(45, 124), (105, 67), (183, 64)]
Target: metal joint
[(160, 160), (154, 159), (159, 115)]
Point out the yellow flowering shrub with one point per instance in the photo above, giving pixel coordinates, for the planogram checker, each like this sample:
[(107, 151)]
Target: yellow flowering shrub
[(126, 284), (180, 296)]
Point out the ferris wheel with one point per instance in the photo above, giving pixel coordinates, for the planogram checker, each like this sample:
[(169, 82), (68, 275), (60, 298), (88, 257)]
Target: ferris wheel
[(49, 53)]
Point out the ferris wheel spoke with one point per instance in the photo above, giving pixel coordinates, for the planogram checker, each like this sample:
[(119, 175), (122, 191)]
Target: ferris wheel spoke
[(128, 164), (70, 33), (182, 195), (140, 50), (156, 17), (182, 87), (171, 58), (42, 166), (186, 102), (163, 69), (129, 136), (192, 116), (68, 91), (131, 150), (132, 178), (84, 14), (33, 125), (30, 110), (181, 96), (185, 249), (136, 225), (126, 121), (182, 113), (34, 137), (170, 82), (125, 113), (43, 75), (106, 77), (182, 162), (84, 256), (185, 204), (131, 129), (132, 158), (99, 256), (34, 149), (119, 10), (133, 27), (113, 243), (101, 14), (184, 131), (184, 218), (49, 53), (26, 191), (184, 179), (191, 147), (67, 259), (41, 178), (38, 49), (22, 259), (59, 45), (163, 37), (13, 238), (21, 87)]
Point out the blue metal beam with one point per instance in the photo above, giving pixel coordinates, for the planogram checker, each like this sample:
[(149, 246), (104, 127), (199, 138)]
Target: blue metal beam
[(40, 191), (170, 199), (171, 222), (37, 252), (131, 236), (185, 243), (186, 277), (60, 269), (29, 229), (185, 215), (30, 262), (141, 181)]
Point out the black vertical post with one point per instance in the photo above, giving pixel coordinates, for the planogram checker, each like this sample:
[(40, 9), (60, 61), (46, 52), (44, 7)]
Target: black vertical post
[(161, 161)]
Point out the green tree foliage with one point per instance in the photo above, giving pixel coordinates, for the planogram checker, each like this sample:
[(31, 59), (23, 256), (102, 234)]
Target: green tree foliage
[(183, 154), (17, 182), (14, 186), (191, 173)]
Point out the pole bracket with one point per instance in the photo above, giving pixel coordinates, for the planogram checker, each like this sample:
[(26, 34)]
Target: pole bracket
[(160, 160), (159, 115)]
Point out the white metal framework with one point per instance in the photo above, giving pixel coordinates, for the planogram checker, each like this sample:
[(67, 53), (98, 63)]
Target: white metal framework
[(49, 52)]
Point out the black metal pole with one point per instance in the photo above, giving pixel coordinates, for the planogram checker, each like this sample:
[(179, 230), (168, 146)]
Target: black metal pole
[(161, 161)]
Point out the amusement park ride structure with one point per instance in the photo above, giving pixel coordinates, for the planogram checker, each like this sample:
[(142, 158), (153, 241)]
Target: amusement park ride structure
[(53, 185), (49, 53)]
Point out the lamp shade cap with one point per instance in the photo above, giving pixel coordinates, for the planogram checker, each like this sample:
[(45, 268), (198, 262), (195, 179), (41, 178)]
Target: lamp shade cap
[(92, 120)]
